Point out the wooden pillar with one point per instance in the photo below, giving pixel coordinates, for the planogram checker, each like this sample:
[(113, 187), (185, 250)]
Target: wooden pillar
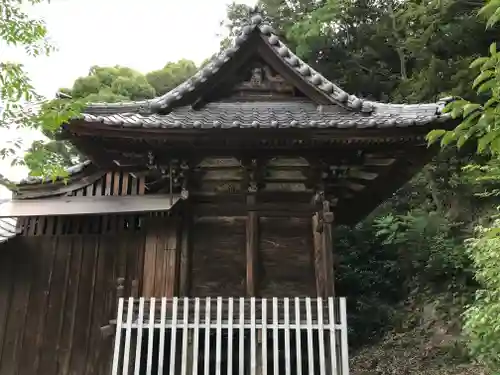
[(328, 218), (252, 245), (323, 247), (185, 253)]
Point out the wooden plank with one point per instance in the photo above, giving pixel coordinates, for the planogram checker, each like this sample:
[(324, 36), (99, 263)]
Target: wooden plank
[(321, 337), (16, 316), (71, 304), (98, 316), (171, 269), (141, 247), (99, 187), (43, 260), (343, 336), (206, 346), (84, 305), (298, 337), (142, 185), (264, 335), (310, 347), (138, 349), (119, 324), (124, 188), (333, 336), (87, 205), (90, 190), (134, 189), (173, 336), (253, 338), (149, 364), (128, 337), (160, 263), (107, 247), (230, 340), (286, 309), (40, 230), (108, 183), (30, 276), (150, 259), (116, 183), (276, 337), (7, 273), (50, 357), (32, 225), (185, 338), (252, 244), (241, 338)]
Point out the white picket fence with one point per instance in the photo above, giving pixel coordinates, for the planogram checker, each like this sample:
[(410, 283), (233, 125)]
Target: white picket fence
[(231, 336)]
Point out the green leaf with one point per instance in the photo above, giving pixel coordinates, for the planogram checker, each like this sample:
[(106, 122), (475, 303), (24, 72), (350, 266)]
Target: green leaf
[(434, 135), (486, 75), (490, 102), (469, 108), (487, 86), (485, 140), (493, 46), (461, 141), (447, 138), (479, 61)]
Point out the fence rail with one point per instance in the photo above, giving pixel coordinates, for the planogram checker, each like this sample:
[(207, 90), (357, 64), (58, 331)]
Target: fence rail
[(231, 336)]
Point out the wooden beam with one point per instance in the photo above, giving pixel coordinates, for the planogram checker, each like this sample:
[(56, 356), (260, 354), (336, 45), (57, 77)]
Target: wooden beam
[(93, 205), (264, 209), (362, 175), (252, 244)]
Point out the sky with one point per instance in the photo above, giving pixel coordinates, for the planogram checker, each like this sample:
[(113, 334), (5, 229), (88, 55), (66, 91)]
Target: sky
[(143, 35)]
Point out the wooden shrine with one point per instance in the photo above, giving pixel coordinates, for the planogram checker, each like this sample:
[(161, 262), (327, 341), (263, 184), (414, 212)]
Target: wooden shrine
[(227, 186)]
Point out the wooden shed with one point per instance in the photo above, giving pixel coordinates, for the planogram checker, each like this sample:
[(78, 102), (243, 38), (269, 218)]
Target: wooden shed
[(197, 238)]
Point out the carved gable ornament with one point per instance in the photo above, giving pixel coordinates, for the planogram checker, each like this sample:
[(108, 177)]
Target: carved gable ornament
[(262, 80)]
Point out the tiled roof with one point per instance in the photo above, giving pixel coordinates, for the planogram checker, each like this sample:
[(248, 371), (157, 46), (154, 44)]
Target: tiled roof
[(172, 110), (7, 227), (74, 169), (277, 115)]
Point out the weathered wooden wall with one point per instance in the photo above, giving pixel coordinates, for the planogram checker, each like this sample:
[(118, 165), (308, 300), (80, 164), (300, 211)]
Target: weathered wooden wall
[(285, 254), (218, 257), (55, 294), (161, 257)]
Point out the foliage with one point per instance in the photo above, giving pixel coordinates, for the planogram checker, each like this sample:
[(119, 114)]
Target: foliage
[(18, 97), (23, 107), (483, 316), (102, 84), (172, 74), (480, 126), (410, 252), (409, 51), (480, 120)]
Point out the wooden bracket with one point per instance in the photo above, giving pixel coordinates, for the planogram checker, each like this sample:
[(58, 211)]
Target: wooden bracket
[(254, 172)]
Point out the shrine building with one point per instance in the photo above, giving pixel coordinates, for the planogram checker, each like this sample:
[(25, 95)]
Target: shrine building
[(197, 237)]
